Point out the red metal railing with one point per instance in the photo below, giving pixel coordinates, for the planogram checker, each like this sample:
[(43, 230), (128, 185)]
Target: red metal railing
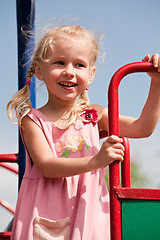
[(12, 169), (7, 206), (125, 165), (5, 235), (10, 158), (114, 168)]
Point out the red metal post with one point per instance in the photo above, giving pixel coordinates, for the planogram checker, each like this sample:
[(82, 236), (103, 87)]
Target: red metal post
[(125, 165), (114, 169)]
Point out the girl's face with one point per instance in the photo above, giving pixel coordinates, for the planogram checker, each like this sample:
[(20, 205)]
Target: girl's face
[(68, 73)]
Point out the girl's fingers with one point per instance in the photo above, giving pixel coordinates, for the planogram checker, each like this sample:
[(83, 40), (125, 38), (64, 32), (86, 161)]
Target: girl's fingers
[(114, 139), (155, 60), (113, 148), (118, 155), (146, 58), (119, 147), (119, 158), (116, 144)]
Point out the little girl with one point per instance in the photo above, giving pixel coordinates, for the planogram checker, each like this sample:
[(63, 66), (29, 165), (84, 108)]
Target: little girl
[(63, 194)]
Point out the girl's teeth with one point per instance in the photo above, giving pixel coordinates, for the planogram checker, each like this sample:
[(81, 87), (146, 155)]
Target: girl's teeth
[(67, 84)]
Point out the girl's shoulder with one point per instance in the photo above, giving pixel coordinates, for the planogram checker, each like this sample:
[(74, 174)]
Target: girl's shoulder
[(34, 116)]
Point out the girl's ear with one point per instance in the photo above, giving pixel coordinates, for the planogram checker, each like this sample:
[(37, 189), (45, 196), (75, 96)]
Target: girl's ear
[(37, 69), (92, 74)]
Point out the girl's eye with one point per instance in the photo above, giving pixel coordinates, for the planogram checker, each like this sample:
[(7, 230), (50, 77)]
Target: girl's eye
[(80, 65), (59, 63)]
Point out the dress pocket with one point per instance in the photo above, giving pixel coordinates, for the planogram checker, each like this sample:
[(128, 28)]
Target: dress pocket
[(51, 230)]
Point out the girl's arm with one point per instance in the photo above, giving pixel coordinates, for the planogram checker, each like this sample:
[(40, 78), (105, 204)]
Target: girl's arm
[(53, 167), (146, 123)]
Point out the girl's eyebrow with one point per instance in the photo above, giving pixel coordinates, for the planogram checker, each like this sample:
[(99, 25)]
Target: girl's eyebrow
[(58, 56), (55, 58), (79, 59), (83, 61)]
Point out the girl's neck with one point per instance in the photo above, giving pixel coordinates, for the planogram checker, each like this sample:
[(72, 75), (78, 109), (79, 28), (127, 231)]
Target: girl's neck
[(60, 106), (58, 113)]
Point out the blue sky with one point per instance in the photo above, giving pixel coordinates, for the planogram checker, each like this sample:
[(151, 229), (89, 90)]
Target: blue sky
[(131, 30)]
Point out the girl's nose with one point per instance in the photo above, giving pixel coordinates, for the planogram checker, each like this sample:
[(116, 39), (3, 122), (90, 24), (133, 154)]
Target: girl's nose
[(69, 71)]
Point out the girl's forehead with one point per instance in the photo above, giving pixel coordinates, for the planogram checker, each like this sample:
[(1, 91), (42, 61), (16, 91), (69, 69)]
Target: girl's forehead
[(70, 42), (79, 46), (75, 47)]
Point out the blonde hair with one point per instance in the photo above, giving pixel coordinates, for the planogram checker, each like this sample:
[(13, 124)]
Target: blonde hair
[(20, 105)]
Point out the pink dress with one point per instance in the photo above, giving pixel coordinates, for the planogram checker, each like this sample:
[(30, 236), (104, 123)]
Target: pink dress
[(71, 208)]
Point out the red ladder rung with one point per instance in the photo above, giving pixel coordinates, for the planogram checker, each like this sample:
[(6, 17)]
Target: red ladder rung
[(9, 158)]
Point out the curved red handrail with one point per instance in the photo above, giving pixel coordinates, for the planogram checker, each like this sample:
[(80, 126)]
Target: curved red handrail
[(113, 111), (12, 169)]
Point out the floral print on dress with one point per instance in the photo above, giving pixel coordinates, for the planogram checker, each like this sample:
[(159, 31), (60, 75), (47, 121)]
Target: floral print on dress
[(59, 146), (73, 145)]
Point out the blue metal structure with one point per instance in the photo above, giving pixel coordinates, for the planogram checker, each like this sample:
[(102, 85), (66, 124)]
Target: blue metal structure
[(25, 35)]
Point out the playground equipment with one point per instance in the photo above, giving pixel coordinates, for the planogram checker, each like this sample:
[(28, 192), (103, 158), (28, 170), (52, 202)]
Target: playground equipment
[(134, 211), (8, 158)]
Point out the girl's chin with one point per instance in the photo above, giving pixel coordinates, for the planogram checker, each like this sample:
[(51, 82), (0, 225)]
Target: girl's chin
[(69, 99)]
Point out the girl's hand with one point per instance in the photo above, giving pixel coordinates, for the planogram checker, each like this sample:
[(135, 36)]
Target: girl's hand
[(155, 60), (111, 150)]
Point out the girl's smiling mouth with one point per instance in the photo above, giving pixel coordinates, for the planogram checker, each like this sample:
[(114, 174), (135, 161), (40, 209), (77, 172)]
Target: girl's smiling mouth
[(67, 84)]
